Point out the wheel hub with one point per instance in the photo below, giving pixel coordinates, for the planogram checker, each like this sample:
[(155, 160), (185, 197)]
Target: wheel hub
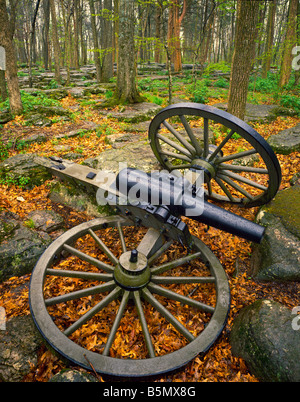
[(207, 167), (132, 272)]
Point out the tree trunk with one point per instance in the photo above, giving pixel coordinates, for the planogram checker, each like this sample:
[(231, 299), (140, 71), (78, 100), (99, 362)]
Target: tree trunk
[(289, 43), (158, 30), (6, 41), (31, 42), (107, 62), (270, 39), (126, 90), (174, 25), (82, 37), (76, 34), (243, 56), (3, 90), (95, 40), (46, 7), (55, 40), (67, 13)]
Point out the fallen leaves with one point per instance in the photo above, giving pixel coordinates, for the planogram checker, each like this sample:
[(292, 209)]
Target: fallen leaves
[(218, 364)]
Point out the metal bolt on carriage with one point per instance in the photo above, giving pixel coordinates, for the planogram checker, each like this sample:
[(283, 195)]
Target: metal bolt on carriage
[(142, 265)]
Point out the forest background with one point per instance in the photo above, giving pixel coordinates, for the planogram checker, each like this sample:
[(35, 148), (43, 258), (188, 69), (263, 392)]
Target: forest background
[(238, 36), (211, 51)]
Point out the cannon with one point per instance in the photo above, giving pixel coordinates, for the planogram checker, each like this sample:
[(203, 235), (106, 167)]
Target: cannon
[(129, 266)]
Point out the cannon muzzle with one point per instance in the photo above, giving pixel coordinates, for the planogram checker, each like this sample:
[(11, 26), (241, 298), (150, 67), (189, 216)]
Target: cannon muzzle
[(161, 188)]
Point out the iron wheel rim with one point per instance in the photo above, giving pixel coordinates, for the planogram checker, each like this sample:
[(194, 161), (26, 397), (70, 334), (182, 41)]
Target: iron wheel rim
[(115, 366), (237, 126)]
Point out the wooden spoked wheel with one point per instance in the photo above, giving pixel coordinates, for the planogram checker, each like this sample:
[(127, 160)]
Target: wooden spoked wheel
[(121, 299), (239, 165)]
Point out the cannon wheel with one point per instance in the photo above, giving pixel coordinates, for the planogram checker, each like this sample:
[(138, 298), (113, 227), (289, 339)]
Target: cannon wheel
[(133, 282), (242, 169)]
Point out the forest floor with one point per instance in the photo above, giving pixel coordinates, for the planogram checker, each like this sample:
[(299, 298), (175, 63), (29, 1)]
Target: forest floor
[(218, 364)]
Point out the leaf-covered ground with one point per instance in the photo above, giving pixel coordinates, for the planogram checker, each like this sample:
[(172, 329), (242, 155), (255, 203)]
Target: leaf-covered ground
[(218, 364)]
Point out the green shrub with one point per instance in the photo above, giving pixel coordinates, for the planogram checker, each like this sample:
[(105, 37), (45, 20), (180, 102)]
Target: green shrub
[(221, 83), (264, 85), (3, 151), (221, 66), (53, 84), (198, 94), (290, 101), (29, 101)]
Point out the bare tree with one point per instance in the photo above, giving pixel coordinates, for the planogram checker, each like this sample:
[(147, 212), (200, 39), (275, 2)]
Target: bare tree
[(243, 56), (31, 41), (55, 40), (6, 41), (95, 40), (126, 90), (289, 43)]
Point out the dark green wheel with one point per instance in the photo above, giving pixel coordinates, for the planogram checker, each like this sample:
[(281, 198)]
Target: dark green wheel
[(113, 297), (239, 165)]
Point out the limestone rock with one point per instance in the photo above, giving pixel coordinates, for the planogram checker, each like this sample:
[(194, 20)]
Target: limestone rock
[(20, 247), (134, 113), (70, 375), (137, 154), (47, 221), (264, 336), (278, 255), (24, 169), (287, 141), (19, 344)]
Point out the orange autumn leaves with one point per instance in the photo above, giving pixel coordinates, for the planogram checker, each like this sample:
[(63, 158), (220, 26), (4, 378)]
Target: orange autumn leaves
[(234, 254)]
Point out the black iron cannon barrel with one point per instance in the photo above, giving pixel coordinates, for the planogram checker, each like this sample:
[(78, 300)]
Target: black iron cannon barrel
[(224, 220), (182, 198)]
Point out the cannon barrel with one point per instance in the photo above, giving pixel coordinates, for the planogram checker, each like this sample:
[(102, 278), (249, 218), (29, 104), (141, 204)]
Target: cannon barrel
[(179, 196)]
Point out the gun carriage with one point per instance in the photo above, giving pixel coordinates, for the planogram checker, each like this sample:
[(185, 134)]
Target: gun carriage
[(142, 280)]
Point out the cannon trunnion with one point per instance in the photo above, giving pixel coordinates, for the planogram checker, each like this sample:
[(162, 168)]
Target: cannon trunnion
[(142, 265)]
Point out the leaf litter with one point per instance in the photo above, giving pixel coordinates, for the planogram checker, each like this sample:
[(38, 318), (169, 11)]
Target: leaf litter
[(218, 364)]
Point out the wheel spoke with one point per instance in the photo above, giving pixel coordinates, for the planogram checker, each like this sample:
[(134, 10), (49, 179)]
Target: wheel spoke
[(116, 323), (182, 166), (225, 189), (236, 187), (237, 156), (94, 290), (179, 137), (206, 138), (165, 313), (143, 322), (176, 156), (180, 298), (103, 247), (88, 258), (173, 264), (159, 252), (209, 188), (244, 180), (122, 238), (190, 133), (169, 280), (219, 147), (173, 144), (93, 311), (240, 168), (93, 276)]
